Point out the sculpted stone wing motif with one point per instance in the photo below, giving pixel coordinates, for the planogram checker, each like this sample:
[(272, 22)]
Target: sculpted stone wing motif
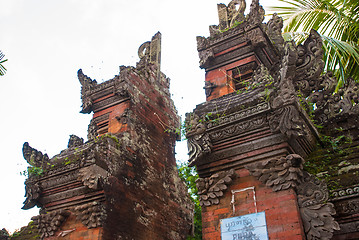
[(34, 157), (212, 188)]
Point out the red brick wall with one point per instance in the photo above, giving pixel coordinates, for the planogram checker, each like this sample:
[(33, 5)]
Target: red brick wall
[(281, 209), (81, 232), (222, 77)]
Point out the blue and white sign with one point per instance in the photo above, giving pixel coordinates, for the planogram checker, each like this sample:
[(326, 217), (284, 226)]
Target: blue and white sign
[(248, 227)]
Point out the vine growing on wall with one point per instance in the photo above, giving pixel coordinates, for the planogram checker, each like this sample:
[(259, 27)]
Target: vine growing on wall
[(189, 176)]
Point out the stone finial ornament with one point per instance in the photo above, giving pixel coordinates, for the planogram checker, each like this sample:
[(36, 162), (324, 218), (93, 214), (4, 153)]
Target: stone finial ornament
[(229, 15), (87, 84), (34, 157), (210, 189), (151, 51), (75, 141), (274, 27)]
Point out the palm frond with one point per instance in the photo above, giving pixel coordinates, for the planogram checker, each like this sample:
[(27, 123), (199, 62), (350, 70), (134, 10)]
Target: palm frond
[(338, 23), (2, 68)]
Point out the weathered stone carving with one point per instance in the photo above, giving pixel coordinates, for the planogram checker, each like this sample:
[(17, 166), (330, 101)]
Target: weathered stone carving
[(262, 77), (275, 25), (4, 235), (151, 51), (279, 174), (256, 13), (124, 116), (49, 223), (316, 212), (346, 192), (208, 87), (238, 128), (212, 188), (205, 57), (287, 121), (287, 172), (91, 214), (229, 15), (285, 116), (255, 37), (34, 157), (87, 84), (92, 175), (310, 62), (347, 207), (75, 141), (92, 130), (199, 143), (32, 194)]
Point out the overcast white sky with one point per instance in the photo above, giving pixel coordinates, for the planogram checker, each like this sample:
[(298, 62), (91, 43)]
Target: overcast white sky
[(47, 41)]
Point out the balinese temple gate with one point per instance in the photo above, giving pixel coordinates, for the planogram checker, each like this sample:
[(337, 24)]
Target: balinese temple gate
[(123, 182), (255, 133)]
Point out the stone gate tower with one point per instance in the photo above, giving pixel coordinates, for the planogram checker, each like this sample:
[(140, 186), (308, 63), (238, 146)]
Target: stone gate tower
[(123, 182), (249, 139)]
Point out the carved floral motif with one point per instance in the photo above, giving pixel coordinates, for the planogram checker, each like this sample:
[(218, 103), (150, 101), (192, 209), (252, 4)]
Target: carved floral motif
[(280, 174), (316, 212), (49, 223), (212, 188), (287, 121)]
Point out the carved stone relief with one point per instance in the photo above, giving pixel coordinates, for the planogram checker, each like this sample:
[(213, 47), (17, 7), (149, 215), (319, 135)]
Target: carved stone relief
[(34, 157), (256, 13), (92, 130), (287, 172), (32, 194), (49, 223), (87, 84), (75, 141), (317, 214), (92, 175), (211, 189), (205, 57), (229, 15), (91, 214), (208, 87), (279, 174), (275, 25), (199, 143)]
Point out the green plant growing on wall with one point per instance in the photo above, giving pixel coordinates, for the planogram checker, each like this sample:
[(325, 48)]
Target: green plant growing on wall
[(189, 176)]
